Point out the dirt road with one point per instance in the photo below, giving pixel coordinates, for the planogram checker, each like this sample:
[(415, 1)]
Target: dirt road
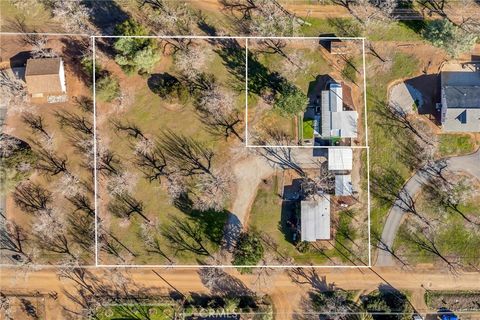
[(285, 293)]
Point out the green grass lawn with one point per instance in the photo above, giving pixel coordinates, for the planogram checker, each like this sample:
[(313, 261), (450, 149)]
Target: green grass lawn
[(455, 144), (267, 216), (155, 312), (308, 128), (455, 238), (384, 139)]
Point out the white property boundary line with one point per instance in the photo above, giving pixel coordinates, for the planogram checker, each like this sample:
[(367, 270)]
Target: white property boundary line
[(98, 265)]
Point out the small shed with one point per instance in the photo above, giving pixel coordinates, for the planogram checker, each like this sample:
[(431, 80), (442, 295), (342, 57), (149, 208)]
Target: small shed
[(45, 77), (343, 185), (315, 219), (340, 159)]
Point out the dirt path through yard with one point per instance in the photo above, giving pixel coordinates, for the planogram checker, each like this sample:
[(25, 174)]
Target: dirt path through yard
[(248, 175)]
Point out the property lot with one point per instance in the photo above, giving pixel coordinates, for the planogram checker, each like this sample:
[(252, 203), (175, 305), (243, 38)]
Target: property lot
[(311, 190), (176, 182), (168, 139), (305, 92), (47, 138)]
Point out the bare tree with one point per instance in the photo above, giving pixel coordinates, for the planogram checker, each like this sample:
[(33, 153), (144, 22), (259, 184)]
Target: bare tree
[(186, 155), (35, 122), (170, 18), (321, 183), (262, 17), (190, 61), (210, 191), (224, 125), (183, 235), (82, 203), (13, 239), (424, 238), (72, 15), (12, 89), (8, 145), (125, 206), (150, 159), (150, 234), (122, 183), (74, 121), (51, 230), (31, 197), (50, 163)]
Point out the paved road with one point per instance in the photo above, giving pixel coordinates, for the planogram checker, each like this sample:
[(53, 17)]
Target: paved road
[(469, 163)]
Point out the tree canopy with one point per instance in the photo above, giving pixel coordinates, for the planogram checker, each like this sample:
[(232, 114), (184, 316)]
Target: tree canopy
[(135, 54), (248, 251), (290, 100), (444, 34)]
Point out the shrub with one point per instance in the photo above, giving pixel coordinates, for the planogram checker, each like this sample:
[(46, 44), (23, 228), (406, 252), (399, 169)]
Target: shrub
[(16, 164), (135, 54), (290, 101), (445, 35), (107, 88), (168, 87), (248, 251)]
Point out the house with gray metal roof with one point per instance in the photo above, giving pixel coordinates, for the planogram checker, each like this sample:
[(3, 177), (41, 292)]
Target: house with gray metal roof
[(460, 101), (335, 121), (315, 218)]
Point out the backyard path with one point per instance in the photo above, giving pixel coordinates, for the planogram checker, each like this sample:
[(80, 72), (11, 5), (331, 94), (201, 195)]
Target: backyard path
[(469, 164), (248, 175)]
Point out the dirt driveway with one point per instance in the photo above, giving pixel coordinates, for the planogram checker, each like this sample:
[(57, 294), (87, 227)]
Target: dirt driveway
[(248, 175)]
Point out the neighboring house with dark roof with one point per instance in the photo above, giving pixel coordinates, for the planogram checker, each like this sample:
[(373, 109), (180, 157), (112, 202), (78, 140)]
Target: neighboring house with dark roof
[(460, 101), (45, 77)]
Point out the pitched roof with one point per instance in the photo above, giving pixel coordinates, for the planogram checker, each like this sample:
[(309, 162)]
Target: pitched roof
[(340, 159), (44, 75), (43, 66), (315, 219), (464, 97)]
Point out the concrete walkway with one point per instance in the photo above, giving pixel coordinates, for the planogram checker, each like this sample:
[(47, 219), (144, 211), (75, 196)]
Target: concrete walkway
[(469, 163)]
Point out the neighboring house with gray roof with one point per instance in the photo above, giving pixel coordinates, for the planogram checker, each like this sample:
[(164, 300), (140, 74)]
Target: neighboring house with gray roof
[(460, 101)]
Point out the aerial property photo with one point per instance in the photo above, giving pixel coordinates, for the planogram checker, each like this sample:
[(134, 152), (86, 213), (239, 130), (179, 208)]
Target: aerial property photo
[(244, 159)]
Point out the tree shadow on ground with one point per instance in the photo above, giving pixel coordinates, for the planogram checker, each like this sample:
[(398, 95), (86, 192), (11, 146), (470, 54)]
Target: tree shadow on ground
[(162, 83), (106, 15), (260, 77), (212, 222), (221, 283)]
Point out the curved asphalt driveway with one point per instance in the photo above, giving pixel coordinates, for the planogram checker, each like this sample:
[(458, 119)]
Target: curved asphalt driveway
[(469, 163)]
